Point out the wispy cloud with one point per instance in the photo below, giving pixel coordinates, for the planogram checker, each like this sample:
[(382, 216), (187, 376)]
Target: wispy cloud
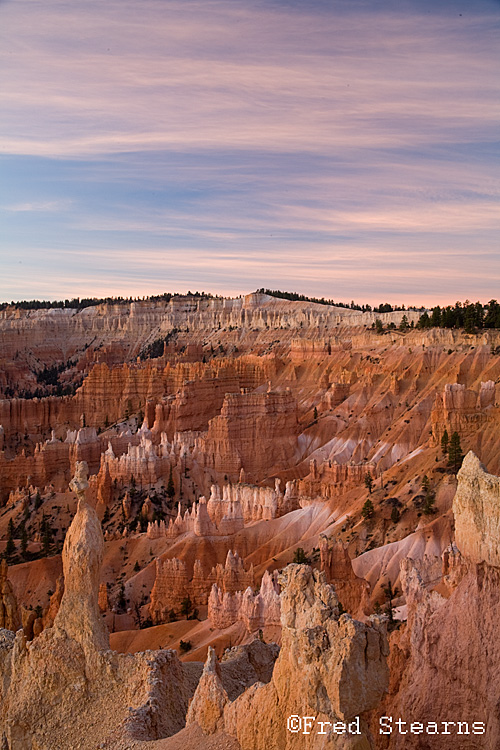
[(342, 148), (37, 206), (201, 75)]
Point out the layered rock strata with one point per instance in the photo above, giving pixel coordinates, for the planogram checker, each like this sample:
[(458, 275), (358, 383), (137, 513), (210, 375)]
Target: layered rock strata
[(256, 432), (463, 410)]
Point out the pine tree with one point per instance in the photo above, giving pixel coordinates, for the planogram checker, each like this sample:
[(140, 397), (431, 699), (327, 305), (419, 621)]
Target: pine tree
[(455, 455), (170, 485), (315, 414), (368, 509), (46, 533), (470, 319), (424, 321), (121, 601), (445, 440), (186, 607), (369, 482), (404, 323), (137, 615), (428, 504), (300, 557), (10, 548), (395, 514)]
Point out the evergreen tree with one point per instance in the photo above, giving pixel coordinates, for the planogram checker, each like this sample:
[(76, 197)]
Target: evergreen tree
[(122, 602), (470, 319), (379, 326), (424, 321), (425, 483), (455, 455), (170, 485), (315, 414), (445, 442), (300, 557), (428, 504), (369, 482), (368, 509), (186, 606), (479, 315), (404, 323), (10, 548), (137, 615), (492, 318), (46, 533), (436, 317)]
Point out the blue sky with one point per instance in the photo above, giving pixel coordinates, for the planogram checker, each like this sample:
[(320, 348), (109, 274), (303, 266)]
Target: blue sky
[(340, 149)]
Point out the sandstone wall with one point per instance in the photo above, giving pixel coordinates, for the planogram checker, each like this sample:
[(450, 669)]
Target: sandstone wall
[(476, 507), (173, 583), (463, 410), (352, 592), (254, 432)]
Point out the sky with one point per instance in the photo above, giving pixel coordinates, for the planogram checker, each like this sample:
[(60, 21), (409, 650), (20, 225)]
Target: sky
[(340, 149)]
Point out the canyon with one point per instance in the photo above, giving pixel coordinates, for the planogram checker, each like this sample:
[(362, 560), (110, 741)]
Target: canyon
[(264, 519)]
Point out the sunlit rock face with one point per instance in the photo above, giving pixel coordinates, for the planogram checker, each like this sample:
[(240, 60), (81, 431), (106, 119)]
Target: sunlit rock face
[(449, 624), (79, 616), (329, 666), (9, 613), (476, 507)]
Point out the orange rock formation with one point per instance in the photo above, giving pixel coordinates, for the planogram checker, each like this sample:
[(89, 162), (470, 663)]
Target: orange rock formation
[(254, 430)]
